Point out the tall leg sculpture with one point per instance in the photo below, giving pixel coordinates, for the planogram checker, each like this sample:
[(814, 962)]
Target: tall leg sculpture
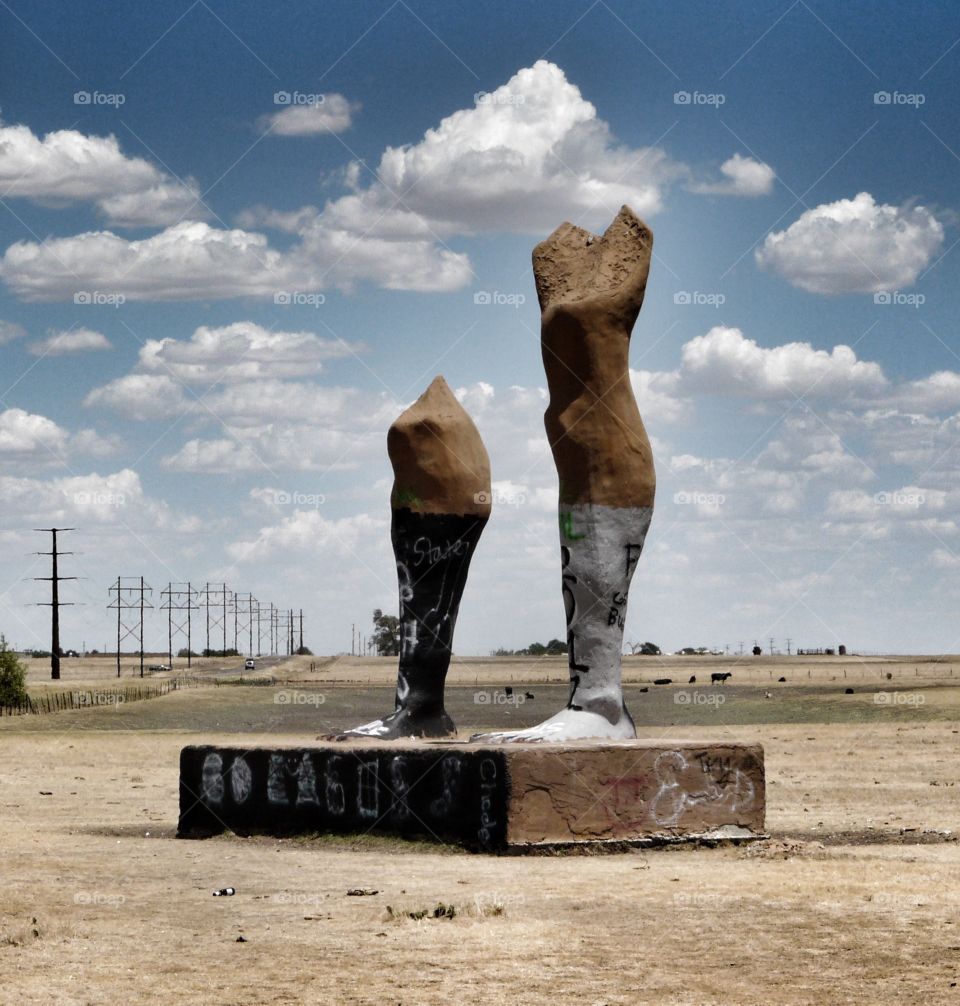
[(440, 505), (590, 291)]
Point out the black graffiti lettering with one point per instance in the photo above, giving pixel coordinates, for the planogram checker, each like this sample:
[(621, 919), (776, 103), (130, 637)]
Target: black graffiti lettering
[(633, 554)]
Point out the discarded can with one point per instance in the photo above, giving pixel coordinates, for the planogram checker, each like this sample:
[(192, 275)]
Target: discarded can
[(225, 892)]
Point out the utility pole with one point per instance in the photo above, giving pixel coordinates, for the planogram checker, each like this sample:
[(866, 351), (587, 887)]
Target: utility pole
[(789, 641), (741, 647), (301, 631), (55, 603), (771, 646), (129, 597)]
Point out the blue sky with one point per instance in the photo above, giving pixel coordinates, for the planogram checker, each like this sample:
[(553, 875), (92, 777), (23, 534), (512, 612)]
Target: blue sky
[(795, 361)]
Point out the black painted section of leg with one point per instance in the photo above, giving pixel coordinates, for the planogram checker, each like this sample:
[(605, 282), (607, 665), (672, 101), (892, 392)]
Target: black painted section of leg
[(433, 553), (449, 796)]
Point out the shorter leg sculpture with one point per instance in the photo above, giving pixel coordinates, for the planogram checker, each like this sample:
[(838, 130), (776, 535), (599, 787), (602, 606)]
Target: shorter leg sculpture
[(440, 506)]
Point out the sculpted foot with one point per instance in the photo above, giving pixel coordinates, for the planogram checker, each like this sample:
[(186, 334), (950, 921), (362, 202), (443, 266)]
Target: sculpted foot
[(403, 723), (567, 725), (440, 505)]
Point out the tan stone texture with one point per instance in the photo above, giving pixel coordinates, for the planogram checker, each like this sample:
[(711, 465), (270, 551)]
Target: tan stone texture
[(591, 290), (440, 464)]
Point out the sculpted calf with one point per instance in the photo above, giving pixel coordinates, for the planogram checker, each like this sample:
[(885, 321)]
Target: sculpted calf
[(590, 291), (440, 505)]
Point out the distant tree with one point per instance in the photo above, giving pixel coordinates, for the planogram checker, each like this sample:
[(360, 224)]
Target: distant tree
[(304, 651), (386, 634), (645, 649), (556, 648), (13, 677), (757, 651), (536, 650)]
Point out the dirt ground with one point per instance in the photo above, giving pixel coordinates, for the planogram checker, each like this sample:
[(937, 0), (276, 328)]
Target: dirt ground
[(855, 898)]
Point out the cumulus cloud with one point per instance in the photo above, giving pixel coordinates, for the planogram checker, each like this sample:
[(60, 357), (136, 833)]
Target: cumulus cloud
[(724, 361), (308, 532), (525, 155), (66, 166), (73, 340), (140, 396), (743, 176), (10, 330), (332, 115), (29, 436), (242, 351), (853, 246)]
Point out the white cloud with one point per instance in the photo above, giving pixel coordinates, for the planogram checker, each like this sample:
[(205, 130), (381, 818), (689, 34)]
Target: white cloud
[(29, 436), (242, 351), (141, 396), (743, 176), (73, 340), (66, 166), (332, 115), (308, 532), (725, 362), (24, 433), (10, 330), (853, 246), (528, 155)]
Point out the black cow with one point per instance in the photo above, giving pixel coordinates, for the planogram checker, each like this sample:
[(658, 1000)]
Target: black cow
[(718, 677)]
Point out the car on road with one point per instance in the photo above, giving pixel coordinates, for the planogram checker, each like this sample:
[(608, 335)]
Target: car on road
[(158, 667), (249, 664)]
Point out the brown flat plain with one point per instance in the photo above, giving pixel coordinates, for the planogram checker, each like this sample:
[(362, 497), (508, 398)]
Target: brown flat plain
[(854, 899)]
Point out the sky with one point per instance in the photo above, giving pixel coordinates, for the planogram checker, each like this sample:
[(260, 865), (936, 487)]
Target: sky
[(236, 242)]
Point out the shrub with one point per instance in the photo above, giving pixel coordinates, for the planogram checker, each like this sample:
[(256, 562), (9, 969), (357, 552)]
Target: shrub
[(13, 677)]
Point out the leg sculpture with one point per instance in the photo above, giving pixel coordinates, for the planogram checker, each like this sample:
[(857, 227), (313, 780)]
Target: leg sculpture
[(591, 290), (440, 506)]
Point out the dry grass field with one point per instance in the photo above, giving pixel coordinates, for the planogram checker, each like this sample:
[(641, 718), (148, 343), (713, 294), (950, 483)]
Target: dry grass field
[(855, 898)]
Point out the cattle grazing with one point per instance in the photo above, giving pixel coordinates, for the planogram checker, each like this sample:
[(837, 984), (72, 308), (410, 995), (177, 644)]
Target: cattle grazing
[(718, 677), (663, 681), (693, 679)]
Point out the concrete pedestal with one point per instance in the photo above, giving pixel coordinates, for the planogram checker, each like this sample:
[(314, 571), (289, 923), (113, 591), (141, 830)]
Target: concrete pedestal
[(489, 797)]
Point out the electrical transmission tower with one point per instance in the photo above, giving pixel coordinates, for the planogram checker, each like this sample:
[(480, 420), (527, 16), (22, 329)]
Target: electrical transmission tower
[(300, 648), (243, 618), (216, 597), (55, 603), (130, 596), (180, 597)]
